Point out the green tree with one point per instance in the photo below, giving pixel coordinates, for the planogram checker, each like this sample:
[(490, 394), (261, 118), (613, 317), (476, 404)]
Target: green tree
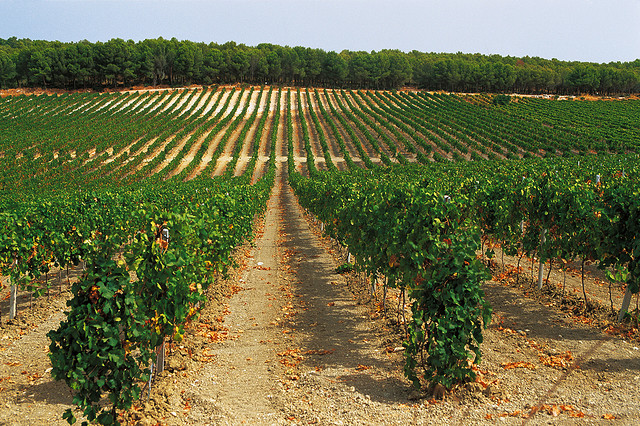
[(258, 65), (213, 65), (238, 61), (293, 64), (7, 69), (80, 63), (188, 62), (275, 66), (39, 67), (334, 69)]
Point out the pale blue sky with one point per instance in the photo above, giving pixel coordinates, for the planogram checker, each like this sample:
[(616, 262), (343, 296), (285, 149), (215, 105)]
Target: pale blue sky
[(582, 30)]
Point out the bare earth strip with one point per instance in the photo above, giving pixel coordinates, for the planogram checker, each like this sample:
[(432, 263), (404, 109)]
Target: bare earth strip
[(188, 158), (247, 147), (227, 154), (353, 152), (334, 149), (206, 103), (316, 148), (399, 145), (182, 103), (299, 150), (281, 148), (374, 134), (366, 146), (250, 361), (265, 142), (174, 152), (208, 156), (417, 146)]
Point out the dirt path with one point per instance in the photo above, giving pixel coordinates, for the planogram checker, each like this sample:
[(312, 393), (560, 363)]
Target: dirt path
[(299, 349), (241, 380), (28, 394)]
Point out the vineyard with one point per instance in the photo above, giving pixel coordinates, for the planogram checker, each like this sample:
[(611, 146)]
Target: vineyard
[(143, 201)]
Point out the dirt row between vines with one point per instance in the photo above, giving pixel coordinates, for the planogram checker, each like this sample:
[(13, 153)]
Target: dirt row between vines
[(285, 340)]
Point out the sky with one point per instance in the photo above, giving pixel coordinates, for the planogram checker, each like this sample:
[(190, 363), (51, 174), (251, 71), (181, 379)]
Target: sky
[(574, 30)]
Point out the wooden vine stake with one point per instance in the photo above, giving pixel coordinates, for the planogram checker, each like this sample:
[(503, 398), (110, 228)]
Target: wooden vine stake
[(13, 297), (160, 357), (374, 282), (543, 239), (160, 349), (626, 301)]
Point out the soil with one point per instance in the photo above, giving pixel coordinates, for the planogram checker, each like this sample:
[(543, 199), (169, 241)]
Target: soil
[(286, 340)]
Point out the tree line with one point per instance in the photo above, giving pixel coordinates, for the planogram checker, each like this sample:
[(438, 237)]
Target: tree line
[(151, 62)]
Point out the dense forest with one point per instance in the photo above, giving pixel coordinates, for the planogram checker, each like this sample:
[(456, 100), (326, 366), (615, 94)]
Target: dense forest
[(120, 63)]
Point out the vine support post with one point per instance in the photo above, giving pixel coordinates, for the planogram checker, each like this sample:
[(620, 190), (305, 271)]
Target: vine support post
[(626, 301), (13, 296), (540, 274), (13, 305), (160, 350), (150, 379), (543, 239), (374, 283), (384, 295)]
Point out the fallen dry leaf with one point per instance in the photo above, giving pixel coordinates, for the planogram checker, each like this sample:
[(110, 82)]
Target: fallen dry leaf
[(557, 361), (519, 364), (320, 352)]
